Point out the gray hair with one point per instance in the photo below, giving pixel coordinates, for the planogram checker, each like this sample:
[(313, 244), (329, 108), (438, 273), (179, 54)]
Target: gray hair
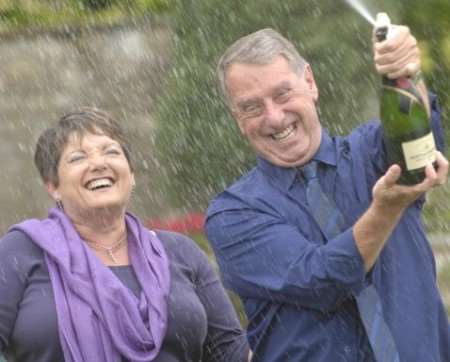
[(86, 120), (260, 47)]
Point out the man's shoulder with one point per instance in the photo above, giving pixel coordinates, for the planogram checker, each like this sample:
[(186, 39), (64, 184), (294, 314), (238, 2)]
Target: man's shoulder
[(361, 140), (367, 128), (240, 191), (246, 183)]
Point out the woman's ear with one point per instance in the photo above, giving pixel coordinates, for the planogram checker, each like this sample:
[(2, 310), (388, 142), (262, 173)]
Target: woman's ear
[(53, 191)]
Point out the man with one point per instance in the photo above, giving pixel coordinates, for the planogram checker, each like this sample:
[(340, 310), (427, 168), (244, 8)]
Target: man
[(365, 291)]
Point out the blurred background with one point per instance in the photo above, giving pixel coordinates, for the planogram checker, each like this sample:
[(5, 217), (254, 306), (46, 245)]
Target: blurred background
[(151, 64)]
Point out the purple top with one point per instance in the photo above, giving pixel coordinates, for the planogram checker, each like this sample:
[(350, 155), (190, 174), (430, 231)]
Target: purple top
[(99, 318), (202, 324)]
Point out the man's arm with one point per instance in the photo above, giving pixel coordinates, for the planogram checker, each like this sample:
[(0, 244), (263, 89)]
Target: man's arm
[(389, 202), (263, 257)]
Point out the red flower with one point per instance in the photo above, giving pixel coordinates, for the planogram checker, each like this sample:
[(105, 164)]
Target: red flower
[(191, 223)]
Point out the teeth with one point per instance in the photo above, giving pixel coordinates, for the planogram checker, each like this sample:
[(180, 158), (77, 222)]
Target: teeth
[(283, 134), (102, 182)]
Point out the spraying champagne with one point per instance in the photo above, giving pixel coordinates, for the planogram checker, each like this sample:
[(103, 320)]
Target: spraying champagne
[(408, 137)]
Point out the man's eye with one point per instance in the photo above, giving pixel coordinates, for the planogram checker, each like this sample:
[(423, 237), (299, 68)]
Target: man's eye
[(113, 151), (252, 109), (283, 96)]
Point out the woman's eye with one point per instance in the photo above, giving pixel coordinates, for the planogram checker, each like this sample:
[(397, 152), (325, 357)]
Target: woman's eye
[(75, 158)]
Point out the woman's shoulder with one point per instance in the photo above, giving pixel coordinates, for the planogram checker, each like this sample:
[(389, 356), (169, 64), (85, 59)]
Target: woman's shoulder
[(179, 247), (18, 251), (17, 241)]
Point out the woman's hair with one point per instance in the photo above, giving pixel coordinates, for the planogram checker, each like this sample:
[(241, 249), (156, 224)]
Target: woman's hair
[(53, 140), (260, 47)]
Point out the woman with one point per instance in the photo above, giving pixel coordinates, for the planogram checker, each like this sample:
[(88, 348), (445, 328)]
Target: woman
[(90, 282)]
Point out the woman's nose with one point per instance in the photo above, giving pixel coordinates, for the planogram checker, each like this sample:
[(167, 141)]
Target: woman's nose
[(97, 162)]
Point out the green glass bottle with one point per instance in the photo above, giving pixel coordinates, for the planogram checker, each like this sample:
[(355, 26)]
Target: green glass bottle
[(406, 126)]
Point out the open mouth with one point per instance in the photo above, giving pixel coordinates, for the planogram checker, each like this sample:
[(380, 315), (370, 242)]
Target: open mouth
[(100, 183), (284, 134)]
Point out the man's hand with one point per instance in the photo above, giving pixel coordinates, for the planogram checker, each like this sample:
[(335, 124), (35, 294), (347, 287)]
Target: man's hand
[(398, 56), (389, 196)]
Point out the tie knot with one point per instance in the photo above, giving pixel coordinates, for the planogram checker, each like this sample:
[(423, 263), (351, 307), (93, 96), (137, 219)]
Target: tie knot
[(309, 170)]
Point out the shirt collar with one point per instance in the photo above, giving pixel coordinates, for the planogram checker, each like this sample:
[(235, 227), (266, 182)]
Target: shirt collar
[(285, 176)]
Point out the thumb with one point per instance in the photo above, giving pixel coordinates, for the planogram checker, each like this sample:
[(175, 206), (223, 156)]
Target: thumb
[(392, 175)]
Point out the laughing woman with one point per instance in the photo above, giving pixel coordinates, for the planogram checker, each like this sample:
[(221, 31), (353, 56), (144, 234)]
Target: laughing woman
[(90, 282)]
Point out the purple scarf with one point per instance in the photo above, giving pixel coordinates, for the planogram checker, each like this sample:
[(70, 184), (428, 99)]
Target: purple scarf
[(99, 319)]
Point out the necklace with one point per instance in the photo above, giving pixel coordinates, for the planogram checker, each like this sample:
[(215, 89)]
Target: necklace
[(110, 250)]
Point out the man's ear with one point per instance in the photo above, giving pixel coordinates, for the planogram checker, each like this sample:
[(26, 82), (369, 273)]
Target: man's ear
[(239, 121), (53, 191), (240, 124), (309, 78)]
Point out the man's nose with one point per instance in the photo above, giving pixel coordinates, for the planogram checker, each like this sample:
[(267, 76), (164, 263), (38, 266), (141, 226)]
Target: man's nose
[(274, 114)]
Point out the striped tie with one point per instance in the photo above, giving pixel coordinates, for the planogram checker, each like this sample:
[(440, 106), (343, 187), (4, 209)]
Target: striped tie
[(331, 222)]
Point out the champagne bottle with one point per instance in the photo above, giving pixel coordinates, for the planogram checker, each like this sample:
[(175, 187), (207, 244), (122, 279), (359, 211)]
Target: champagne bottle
[(405, 120)]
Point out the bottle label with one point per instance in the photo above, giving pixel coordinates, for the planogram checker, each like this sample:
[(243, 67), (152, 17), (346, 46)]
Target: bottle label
[(419, 152)]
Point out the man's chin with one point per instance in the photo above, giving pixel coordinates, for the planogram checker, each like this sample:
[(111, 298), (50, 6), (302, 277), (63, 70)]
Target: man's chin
[(287, 163)]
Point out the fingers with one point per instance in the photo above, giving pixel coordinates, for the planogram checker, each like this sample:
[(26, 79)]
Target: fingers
[(442, 169), (399, 55), (434, 177), (405, 67), (429, 181)]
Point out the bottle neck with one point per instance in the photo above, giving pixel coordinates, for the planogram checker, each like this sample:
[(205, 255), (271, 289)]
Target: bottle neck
[(388, 81)]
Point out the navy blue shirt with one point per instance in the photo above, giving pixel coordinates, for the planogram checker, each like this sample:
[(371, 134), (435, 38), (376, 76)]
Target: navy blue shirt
[(297, 286)]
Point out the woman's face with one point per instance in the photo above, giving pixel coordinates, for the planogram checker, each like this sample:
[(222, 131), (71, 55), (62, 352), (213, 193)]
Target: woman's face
[(93, 174)]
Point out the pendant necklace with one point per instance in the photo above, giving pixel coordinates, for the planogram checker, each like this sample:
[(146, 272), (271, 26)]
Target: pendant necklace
[(110, 250)]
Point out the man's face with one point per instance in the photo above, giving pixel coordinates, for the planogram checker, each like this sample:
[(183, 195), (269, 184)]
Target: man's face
[(275, 109)]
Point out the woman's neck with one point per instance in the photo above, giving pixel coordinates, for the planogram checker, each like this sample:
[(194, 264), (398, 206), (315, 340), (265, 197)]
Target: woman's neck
[(105, 228)]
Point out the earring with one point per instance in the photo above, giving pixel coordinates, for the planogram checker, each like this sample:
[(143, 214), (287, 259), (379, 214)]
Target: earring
[(59, 204)]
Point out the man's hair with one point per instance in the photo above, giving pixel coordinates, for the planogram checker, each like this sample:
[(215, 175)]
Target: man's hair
[(53, 140), (260, 47)]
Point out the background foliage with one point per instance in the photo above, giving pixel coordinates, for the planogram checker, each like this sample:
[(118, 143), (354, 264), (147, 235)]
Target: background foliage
[(22, 14), (197, 138), (198, 146)]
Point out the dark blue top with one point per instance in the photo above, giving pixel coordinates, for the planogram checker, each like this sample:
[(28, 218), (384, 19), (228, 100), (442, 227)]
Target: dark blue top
[(202, 324), (296, 286)]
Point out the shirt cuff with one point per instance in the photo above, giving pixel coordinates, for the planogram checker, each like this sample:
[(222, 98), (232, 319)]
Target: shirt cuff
[(345, 263)]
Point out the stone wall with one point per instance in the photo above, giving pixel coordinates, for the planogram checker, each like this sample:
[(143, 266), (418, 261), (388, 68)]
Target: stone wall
[(44, 75)]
